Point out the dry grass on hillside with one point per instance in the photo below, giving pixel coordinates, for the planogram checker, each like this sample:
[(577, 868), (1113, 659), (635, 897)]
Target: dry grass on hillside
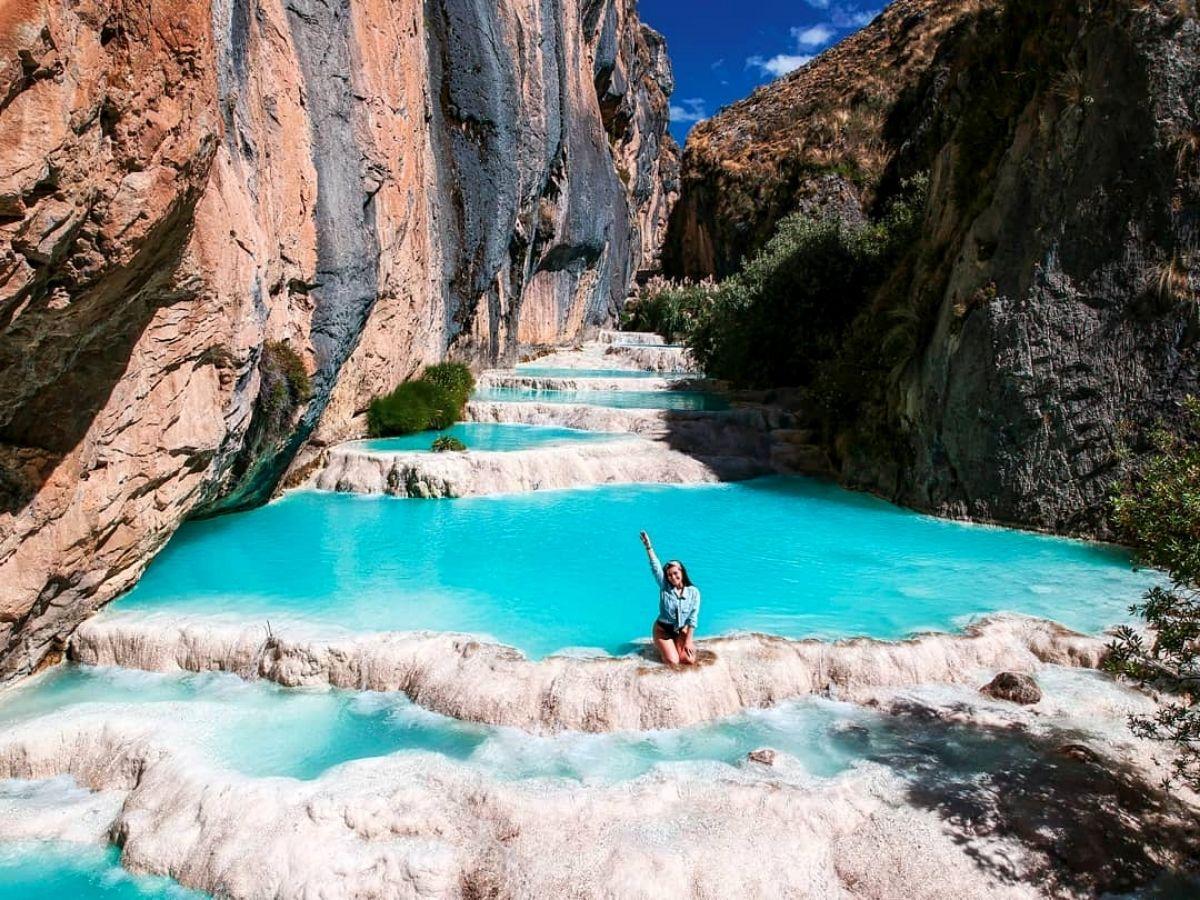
[(830, 114)]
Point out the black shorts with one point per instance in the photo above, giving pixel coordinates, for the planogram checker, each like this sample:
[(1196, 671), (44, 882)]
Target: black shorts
[(669, 631)]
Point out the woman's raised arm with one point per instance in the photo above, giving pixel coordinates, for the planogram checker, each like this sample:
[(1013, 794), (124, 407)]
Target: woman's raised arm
[(655, 566)]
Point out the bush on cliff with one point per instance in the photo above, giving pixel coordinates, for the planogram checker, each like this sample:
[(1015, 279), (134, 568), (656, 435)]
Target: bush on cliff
[(284, 388), (1159, 512), (453, 378), (668, 308), (435, 400)]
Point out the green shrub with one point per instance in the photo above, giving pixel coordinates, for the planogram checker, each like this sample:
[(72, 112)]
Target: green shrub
[(789, 308), (454, 378), (668, 308), (284, 388), (448, 444), (435, 400), (1158, 511)]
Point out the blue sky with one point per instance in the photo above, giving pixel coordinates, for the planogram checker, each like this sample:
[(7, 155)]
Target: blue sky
[(722, 50)]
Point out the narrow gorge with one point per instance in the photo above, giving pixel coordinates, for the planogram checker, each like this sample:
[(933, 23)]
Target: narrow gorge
[(204, 204), (357, 355)]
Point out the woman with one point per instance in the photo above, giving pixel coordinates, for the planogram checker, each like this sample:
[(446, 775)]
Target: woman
[(678, 607)]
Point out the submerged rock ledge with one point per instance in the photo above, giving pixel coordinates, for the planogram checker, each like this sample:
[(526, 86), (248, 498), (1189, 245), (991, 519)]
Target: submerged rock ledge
[(459, 676), (476, 473)]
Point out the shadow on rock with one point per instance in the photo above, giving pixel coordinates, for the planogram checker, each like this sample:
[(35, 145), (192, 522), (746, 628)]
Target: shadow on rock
[(1091, 825)]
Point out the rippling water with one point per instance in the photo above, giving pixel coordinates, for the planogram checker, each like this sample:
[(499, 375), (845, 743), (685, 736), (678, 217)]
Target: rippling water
[(76, 872), (261, 729), (555, 570), (487, 436), (535, 371), (682, 400)]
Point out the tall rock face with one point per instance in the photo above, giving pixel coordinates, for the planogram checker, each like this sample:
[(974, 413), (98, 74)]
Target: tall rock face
[(225, 225), (815, 140), (1050, 301)]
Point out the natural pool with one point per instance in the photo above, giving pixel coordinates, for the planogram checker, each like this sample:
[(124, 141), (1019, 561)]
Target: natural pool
[(260, 729), (555, 570), (693, 400), (535, 371), (77, 872), (263, 730), (487, 436)]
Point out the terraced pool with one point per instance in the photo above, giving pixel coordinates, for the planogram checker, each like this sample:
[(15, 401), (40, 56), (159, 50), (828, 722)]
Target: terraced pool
[(549, 571), (74, 871), (682, 400), (488, 436), (535, 371)]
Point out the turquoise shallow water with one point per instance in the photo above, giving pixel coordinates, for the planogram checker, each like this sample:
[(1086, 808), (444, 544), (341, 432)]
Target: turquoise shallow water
[(621, 399), (554, 570), (488, 436), (263, 730), (535, 371), (76, 872)]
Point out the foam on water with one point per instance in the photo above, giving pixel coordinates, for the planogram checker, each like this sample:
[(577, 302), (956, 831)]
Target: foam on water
[(547, 571), (682, 400), (259, 729), (487, 436)]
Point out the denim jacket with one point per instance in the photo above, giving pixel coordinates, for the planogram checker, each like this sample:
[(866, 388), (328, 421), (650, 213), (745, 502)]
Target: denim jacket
[(675, 609)]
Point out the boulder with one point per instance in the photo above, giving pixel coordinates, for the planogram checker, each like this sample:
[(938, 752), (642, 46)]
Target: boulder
[(1014, 687)]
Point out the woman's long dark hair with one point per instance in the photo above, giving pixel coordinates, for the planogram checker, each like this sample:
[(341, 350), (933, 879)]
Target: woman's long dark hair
[(687, 582)]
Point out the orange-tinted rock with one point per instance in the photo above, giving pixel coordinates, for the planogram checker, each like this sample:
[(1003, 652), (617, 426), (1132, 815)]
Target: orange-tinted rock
[(183, 184)]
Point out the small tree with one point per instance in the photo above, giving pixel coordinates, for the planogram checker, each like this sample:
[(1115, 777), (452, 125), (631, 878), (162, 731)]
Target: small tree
[(1159, 512)]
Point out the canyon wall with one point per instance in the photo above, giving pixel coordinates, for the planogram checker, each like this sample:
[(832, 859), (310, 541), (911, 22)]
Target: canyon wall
[(1044, 321), (225, 225)]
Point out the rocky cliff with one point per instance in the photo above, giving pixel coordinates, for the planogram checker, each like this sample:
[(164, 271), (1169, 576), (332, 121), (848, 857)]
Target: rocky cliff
[(1047, 313), (225, 225)]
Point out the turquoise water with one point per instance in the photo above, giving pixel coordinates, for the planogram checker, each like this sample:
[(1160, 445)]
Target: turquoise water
[(255, 728), (260, 729), (487, 436), (554, 570), (76, 872), (620, 399), (535, 371)]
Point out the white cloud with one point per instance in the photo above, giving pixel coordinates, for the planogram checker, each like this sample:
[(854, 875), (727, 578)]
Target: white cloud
[(778, 65), (690, 110), (842, 17), (852, 17), (816, 36)]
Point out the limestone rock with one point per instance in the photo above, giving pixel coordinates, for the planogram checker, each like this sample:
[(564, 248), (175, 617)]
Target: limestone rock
[(1015, 687), (764, 756), (461, 677)]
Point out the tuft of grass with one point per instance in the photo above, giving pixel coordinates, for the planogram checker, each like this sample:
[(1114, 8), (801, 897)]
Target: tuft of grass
[(447, 444), (1169, 281)]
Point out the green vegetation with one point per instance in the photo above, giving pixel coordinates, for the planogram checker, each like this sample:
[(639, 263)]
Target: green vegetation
[(453, 378), (668, 308), (1159, 512), (435, 400), (285, 387), (448, 444), (786, 314)]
